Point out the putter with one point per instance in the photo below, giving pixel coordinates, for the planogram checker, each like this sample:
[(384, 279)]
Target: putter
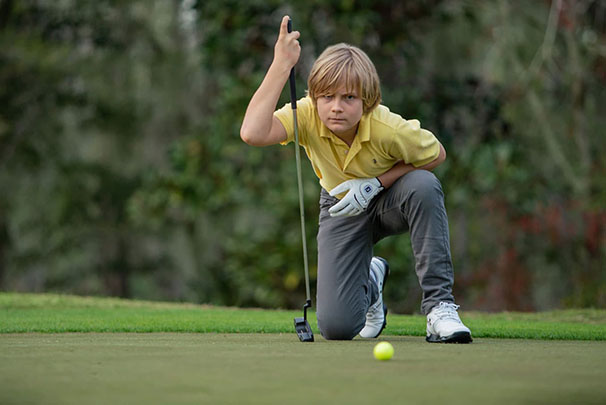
[(301, 325)]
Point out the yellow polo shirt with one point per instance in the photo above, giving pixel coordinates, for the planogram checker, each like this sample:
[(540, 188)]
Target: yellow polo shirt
[(383, 139)]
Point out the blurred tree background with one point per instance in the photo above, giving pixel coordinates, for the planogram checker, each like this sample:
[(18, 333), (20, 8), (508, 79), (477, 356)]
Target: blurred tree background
[(122, 172)]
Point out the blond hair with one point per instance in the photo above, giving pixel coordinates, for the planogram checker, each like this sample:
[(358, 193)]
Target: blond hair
[(348, 66)]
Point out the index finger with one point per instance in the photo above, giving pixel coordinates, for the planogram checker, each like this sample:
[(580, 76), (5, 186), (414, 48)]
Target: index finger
[(284, 26)]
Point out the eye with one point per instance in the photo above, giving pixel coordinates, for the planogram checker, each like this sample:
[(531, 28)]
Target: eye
[(327, 97), (350, 97)]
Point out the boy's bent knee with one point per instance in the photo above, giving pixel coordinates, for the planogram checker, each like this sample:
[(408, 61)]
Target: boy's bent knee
[(423, 184), (420, 178)]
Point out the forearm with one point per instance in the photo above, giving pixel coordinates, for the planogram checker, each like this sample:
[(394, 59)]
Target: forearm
[(259, 114), (393, 174), (258, 127), (401, 168)]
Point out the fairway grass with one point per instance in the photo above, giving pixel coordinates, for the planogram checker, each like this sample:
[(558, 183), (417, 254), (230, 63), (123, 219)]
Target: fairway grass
[(51, 313), (213, 368)]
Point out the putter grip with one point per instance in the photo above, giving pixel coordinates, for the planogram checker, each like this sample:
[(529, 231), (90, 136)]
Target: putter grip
[(291, 79)]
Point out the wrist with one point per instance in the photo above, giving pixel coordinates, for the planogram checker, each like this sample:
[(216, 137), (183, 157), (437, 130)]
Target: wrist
[(280, 68)]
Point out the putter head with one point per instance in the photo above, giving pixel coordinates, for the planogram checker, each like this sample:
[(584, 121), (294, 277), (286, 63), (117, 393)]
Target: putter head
[(303, 330)]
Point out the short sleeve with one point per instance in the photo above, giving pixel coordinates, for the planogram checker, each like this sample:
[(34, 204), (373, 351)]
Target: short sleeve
[(284, 115), (414, 145)]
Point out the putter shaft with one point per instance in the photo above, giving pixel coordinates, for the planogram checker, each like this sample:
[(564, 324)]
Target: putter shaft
[(301, 325), (301, 205)]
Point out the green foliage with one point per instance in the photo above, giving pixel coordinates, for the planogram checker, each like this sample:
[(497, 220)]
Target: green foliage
[(123, 172)]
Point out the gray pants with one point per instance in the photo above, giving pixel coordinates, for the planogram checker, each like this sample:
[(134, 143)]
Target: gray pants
[(415, 203)]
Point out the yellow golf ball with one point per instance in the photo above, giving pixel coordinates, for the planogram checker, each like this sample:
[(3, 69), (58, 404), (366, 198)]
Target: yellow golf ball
[(383, 351)]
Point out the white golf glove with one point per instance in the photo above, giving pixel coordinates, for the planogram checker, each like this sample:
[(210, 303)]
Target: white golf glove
[(361, 191)]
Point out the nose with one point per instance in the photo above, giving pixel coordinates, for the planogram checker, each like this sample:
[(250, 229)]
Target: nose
[(336, 106)]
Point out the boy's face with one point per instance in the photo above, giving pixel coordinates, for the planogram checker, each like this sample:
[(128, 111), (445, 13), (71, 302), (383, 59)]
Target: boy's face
[(341, 111)]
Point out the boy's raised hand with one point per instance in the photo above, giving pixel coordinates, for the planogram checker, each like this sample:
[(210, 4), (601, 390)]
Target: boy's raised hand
[(287, 48)]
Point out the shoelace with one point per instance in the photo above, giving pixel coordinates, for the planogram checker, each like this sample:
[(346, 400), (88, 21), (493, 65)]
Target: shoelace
[(446, 311)]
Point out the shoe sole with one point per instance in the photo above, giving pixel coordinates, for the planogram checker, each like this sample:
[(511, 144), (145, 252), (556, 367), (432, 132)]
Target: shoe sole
[(457, 337)]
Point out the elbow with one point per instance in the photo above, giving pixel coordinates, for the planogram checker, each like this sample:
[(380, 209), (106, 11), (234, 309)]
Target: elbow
[(438, 160), (251, 136), (246, 136), (441, 156)]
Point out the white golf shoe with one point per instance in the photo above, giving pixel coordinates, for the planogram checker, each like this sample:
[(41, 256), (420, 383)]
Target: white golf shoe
[(376, 317), (445, 326)]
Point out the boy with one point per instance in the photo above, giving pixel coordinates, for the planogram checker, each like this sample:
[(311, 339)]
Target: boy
[(374, 169)]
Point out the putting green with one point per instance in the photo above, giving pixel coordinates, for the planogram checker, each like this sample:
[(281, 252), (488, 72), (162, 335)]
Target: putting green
[(277, 368)]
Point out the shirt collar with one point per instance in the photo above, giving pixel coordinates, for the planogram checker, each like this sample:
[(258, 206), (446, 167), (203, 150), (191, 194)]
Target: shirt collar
[(364, 128)]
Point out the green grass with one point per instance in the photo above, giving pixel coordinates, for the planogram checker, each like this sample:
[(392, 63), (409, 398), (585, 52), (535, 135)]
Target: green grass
[(213, 368), (51, 313), (253, 356)]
